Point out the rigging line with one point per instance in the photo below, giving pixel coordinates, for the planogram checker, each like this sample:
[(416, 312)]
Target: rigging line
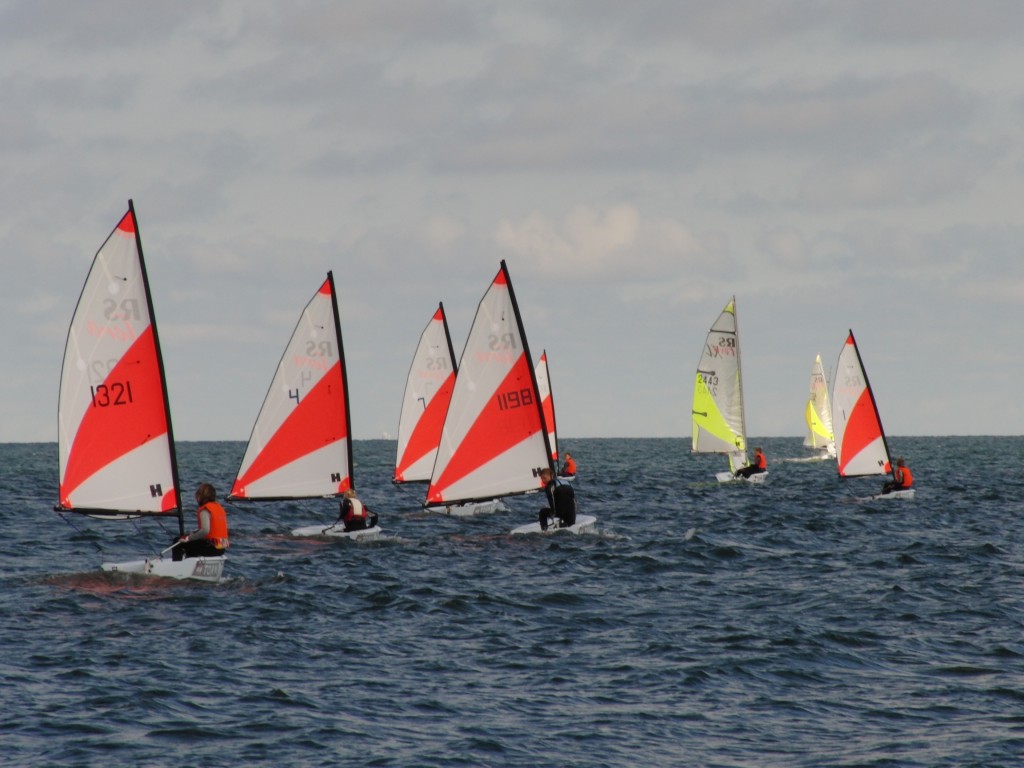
[(81, 531)]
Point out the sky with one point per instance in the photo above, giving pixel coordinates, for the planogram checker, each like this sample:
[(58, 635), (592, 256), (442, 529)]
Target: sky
[(832, 165)]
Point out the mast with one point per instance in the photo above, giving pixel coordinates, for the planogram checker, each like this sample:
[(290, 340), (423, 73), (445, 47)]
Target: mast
[(739, 376), (529, 360), (160, 366), (448, 338), (344, 377)]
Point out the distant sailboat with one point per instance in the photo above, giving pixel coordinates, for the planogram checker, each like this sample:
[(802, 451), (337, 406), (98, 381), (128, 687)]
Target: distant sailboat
[(819, 414), (301, 443), (719, 424), (428, 390), (548, 408), (116, 456), (493, 442), (861, 446)]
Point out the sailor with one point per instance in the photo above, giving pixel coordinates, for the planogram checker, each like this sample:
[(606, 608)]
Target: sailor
[(903, 478), (354, 514), (758, 465), (561, 501), (569, 467), (210, 539)]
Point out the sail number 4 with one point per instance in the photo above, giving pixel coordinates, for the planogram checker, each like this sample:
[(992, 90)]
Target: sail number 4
[(115, 393), (514, 399)]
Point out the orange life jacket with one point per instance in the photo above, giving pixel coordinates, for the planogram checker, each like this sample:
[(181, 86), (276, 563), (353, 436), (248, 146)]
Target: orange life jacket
[(762, 460), (906, 478), (218, 535), (570, 467)]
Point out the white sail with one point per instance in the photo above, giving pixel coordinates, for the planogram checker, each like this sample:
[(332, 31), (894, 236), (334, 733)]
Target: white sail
[(301, 443), (115, 446), (818, 413), (718, 418), (428, 390), (860, 442), (547, 402), (493, 443)]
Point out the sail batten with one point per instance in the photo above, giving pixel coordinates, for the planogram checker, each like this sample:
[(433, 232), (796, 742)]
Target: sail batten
[(861, 447), (115, 443), (493, 442), (717, 415), (301, 445)]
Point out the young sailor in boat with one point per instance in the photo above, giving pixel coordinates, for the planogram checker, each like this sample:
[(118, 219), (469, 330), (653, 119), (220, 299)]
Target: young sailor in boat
[(210, 539), (561, 498), (758, 465), (354, 514), (569, 467), (903, 478)]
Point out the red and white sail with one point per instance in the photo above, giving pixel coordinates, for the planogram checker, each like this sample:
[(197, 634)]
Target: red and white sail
[(860, 442), (547, 403), (115, 447), (428, 390), (494, 442), (301, 444)]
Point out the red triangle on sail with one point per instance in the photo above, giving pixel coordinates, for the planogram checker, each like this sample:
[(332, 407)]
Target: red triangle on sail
[(862, 428), (428, 429), (496, 430), (318, 420), (127, 411)]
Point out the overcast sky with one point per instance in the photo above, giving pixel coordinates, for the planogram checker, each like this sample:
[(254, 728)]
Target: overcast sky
[(834, 165)]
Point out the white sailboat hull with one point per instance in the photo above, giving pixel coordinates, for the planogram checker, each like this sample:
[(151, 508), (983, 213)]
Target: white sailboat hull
[(907, 494), (584, 524), (198, 568), (338, 532), (729, 477), (471, 509)]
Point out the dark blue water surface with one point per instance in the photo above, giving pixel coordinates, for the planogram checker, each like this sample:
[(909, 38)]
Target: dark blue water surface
[(704, 625)]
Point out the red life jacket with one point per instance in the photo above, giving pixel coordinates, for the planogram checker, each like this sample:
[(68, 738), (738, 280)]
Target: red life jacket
[(218, 535), (905, 477), (354, 510)]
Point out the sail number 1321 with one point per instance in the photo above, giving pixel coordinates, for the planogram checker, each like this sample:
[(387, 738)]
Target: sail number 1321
[(115, 393), (514, 399)]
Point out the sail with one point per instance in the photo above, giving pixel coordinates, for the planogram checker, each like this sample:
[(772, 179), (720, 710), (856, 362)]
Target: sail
[(819, 412), (718, 422), (115, 445), (493, 443), (860, 442), (301, 444), (428, 390), (547, 403)]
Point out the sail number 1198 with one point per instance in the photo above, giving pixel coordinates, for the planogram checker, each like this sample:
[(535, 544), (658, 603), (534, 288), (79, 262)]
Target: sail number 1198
[(514, 399)]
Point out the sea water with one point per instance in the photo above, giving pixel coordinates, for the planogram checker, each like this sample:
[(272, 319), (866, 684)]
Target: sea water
[(784, 624)]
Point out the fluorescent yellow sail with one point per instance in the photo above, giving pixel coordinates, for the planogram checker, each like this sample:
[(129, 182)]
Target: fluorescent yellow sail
[(819, 434), (711, 432)]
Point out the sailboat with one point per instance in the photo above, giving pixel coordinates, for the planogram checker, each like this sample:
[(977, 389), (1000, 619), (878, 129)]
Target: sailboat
[(718, 420), (819, 415), (428, 390), (301, 443), (116, 454), (548, 408), (861, 447), (494, 443)]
